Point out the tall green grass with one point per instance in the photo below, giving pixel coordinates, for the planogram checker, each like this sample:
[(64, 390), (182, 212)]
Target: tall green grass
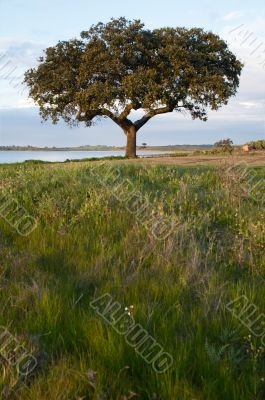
[(88, 244)]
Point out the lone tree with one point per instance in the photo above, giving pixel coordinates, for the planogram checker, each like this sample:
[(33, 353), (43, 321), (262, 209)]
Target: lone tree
[(225, 145), (120, 66)]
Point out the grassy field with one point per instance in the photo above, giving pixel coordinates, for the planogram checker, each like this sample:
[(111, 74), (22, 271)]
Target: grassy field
[(88, 244)]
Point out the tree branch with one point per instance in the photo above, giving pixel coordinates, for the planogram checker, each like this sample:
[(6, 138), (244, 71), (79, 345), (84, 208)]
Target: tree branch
[(123, 122), (128, 109), (126, 112), (141, 122), (108, 113), (90, 114)]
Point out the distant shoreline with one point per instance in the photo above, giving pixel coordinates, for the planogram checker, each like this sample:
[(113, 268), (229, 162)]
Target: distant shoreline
[(98, 148), (42, 150)]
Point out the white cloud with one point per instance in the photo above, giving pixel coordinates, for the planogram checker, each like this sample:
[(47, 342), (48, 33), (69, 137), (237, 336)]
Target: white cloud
[(245, 40), (249, 104), (232, 15), (20, 52), (26, 103)]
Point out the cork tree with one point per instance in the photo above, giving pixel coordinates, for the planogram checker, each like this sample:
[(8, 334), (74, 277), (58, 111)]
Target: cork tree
[(118, 67)]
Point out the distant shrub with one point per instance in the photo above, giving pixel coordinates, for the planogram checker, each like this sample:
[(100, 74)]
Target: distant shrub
[(97, 159), (199, 153), (179, 155), (35, 162), (257, 145), (207, 152)]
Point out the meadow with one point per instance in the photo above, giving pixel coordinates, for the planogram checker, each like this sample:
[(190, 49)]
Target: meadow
[(87, 244)]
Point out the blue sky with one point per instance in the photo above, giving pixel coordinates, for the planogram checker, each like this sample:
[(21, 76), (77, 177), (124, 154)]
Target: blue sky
[(29, 26)]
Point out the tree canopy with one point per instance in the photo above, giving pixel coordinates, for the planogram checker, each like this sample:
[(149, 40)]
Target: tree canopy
[(121, 66)]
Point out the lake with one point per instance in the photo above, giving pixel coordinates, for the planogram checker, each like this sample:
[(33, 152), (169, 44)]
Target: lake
[(60, 156)]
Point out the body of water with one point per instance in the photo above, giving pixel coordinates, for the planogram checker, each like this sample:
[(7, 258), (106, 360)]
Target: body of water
[(60, 156)]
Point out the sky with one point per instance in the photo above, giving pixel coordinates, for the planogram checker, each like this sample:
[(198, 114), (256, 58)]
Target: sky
[(29, 26)]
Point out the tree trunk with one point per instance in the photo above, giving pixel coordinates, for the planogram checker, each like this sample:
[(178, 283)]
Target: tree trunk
[(131, 142)]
